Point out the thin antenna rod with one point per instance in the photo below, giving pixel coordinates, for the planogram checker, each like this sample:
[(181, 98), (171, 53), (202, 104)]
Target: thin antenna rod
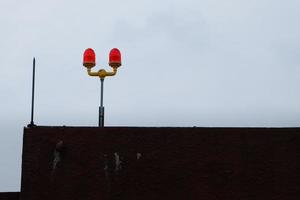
[(32, 97)]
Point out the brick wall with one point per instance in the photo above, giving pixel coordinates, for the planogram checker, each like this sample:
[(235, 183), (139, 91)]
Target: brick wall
[(160, 163)]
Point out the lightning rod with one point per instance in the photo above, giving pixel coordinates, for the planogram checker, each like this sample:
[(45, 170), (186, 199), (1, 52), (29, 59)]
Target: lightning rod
[(32, 94)]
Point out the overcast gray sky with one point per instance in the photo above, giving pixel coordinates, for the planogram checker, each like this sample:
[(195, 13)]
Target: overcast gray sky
[(185, 63)]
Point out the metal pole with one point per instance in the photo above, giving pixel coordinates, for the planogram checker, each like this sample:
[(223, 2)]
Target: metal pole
[(32, 97), (101, 108)]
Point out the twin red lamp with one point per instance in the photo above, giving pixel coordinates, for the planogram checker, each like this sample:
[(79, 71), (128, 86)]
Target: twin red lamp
[(89, 61)]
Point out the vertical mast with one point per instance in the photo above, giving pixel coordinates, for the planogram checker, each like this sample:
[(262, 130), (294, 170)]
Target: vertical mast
[(32, 97)]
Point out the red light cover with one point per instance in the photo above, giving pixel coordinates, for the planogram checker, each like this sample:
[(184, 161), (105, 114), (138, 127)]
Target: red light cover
[(115, 56), (89, 57)]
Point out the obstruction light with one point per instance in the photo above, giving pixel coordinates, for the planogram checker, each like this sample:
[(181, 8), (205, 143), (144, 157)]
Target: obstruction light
[(89, 58), (115, 58), (89, 61)]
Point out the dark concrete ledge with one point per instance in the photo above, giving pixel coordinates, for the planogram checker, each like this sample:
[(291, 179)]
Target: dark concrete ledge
[(9, 195)]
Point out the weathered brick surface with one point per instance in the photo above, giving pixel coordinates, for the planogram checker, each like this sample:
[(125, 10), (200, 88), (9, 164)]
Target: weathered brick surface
[(174, 163)]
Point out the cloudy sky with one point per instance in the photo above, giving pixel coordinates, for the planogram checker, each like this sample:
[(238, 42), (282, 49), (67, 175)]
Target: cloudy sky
[(185, 63)]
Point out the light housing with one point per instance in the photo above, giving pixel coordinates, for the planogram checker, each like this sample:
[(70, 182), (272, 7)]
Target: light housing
[(115, 58), (89, 58)]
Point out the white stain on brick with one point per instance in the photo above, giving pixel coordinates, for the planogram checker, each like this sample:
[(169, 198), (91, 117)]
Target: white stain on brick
[(138, 156), (118, 162)]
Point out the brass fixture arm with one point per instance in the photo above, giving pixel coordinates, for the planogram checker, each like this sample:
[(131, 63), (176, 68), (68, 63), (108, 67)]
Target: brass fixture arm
[(102, 73)]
